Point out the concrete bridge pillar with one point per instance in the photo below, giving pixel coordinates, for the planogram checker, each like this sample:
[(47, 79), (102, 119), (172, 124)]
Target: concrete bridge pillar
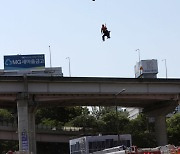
[(160, 130), (26, 125), (159, 112), (32, 128)]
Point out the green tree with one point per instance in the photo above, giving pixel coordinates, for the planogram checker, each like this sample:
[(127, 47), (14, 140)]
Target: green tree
[(8, 145), (85, 120), (57, 115), (98, 112), (115, 122), (6, 115), (139, 129), (173, 129), (104, 120)]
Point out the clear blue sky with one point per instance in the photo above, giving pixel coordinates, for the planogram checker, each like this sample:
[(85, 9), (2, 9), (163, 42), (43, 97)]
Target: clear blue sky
[(72, 29)]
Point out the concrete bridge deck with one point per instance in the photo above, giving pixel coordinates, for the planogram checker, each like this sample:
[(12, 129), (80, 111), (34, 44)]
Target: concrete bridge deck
[(85, 91)]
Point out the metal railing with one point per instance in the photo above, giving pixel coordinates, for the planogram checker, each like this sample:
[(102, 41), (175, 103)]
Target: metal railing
[(4, 125)]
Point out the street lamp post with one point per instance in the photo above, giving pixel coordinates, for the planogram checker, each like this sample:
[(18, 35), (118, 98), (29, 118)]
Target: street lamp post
[(138, 54), (117, 113), (69, 65), (165, 66), (50, 56)]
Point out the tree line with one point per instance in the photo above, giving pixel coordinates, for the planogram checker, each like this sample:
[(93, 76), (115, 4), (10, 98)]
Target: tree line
[(100, 120)]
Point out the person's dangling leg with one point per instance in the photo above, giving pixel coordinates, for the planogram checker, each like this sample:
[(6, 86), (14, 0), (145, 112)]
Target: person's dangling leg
[(109, 34), (103, 37)]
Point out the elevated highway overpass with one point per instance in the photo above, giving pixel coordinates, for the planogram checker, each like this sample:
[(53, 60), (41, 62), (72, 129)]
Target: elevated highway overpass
[(85, 91), (158, 97)]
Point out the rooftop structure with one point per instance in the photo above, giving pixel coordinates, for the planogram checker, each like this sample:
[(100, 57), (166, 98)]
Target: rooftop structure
[(49, 71), (146, 69)]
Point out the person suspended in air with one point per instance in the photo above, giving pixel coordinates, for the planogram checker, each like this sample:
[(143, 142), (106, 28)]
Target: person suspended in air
[(105, 32)]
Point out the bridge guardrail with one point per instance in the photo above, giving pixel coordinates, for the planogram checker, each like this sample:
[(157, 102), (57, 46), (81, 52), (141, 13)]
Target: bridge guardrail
[(4, 125)]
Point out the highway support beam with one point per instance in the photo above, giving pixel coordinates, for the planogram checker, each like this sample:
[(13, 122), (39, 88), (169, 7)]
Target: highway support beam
[(159, 112), (160, 130), (26, 124)]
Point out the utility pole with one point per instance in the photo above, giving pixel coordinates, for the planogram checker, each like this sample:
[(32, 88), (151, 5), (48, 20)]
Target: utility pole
[(117, 113)]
